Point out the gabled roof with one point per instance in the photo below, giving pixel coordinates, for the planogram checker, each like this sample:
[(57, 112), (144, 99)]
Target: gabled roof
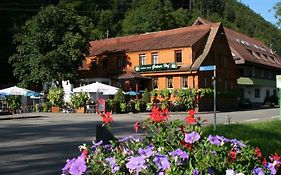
[(246, 48), (175, 38)]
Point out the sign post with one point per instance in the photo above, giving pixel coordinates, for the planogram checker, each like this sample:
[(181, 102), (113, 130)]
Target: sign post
[(278, 84), (212, 68)]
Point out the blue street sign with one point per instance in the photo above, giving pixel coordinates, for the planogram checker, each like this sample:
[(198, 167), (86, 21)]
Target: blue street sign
[(207, 68)]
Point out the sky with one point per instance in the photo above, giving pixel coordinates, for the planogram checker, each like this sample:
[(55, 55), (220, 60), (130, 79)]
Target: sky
[(263, 7)]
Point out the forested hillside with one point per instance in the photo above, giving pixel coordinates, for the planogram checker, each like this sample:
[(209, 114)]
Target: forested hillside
[(122, 17)]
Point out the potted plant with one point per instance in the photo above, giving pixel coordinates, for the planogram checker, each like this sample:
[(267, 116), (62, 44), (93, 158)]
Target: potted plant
[(145, 100), (14, 103), (118, 99), (154, 93), (79, 100), (123, 107), (138, 105), (55, 97)]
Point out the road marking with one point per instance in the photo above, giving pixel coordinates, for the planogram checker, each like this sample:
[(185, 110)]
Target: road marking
[(275, 116), (250, 120)]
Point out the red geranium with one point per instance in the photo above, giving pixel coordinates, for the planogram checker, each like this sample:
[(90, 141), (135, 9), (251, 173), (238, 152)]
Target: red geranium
[(258, 152), (190, 118), (106, 117), (158, 115), (232, 154), (186, 145), (275, 157), (136, 126)]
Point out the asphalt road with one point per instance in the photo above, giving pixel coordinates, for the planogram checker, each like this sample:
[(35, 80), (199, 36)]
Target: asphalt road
[(40, 143)]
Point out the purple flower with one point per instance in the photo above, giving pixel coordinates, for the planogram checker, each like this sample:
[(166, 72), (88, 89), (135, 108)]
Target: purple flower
[(258, 171), (195, 172), (125, 139), (136, 164), (179, 153), (160, 173), (211, 170), (112, 162), (95, 145), (238, 143), (214, 153), (108, 147), (215, 140), (271, 167), (147, 152), (78, 167), (67, 166), (162, 162), (191, 137)]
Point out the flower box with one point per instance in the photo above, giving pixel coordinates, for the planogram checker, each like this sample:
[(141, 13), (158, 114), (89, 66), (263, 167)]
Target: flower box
[(80, 110), (55, 109)]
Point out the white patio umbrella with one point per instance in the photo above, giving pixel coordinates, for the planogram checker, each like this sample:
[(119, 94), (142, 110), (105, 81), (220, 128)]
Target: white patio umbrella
[(97, 88), (19, 91)]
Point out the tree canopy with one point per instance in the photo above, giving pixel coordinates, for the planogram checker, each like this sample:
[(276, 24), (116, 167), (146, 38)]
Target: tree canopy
[(51, 46), (277, 8)]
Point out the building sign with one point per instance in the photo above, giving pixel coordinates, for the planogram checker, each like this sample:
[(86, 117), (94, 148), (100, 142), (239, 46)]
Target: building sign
[(207, 68), (100, 105), (156, 67)]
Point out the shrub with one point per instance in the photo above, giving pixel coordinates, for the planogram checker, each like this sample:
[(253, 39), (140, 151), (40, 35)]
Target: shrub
[(46, 106), (79, 99), (154, 93), (109, 104), (148, 106), (137, 105), (123, 107), (119, 98), (14, 102), (55, 96), (146, 97)]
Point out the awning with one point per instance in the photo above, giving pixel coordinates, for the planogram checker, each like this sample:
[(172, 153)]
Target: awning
[(131, 75)]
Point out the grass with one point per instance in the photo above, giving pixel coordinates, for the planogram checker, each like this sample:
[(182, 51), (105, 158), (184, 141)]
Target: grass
[(265, 135)]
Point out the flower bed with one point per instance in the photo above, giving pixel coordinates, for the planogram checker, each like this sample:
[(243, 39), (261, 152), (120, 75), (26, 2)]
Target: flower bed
[(171, 148)]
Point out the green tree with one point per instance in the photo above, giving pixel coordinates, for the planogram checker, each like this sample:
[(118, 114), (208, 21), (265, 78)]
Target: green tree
[(148, 16), (51, 46), (277, 9)]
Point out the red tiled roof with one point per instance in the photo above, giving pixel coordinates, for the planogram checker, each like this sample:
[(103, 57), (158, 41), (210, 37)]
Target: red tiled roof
[(251, 49), (247, 48), (175, 38)]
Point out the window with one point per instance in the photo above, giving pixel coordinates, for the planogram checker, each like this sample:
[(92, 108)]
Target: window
[(267, 93), (155, 83), (169, 82), (185, 81), (142, 59), (178, 56), (154, 57), (120, 62), (94, 63), (241, 92), (274, 92), (257, 93), (205, 82), (241, 72), (104, 62)]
